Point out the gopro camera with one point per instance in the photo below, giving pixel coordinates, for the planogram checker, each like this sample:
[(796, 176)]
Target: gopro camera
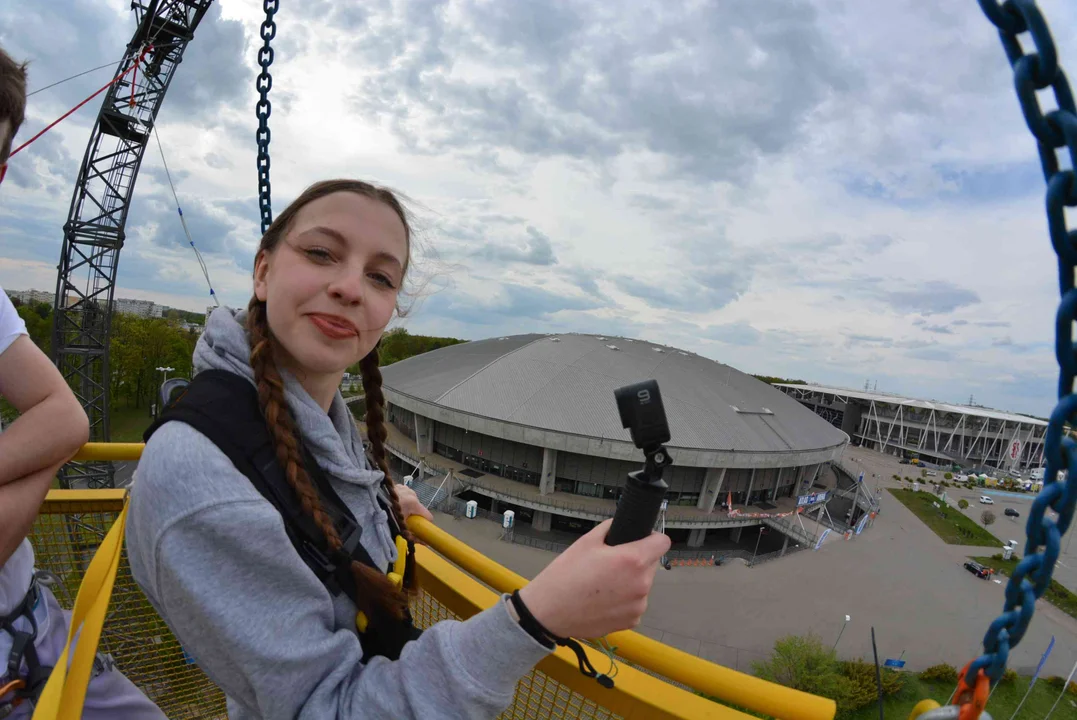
[(642, 412)]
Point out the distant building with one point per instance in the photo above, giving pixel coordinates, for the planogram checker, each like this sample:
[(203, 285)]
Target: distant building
[(141, 308), (32, 296), (942, 433), (39, 296)]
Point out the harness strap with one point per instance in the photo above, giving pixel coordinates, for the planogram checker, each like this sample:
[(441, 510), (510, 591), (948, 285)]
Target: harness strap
[(22, 647), (224, 407)]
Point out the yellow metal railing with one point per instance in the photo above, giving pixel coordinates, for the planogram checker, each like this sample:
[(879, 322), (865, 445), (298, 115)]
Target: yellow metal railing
[(456, 582)]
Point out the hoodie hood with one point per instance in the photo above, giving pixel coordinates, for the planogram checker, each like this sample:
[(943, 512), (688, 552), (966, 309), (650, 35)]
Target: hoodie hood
[(332, 438)]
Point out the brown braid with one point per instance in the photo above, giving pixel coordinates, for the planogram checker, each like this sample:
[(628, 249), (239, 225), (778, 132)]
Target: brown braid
[(374, 587), (376, 432)]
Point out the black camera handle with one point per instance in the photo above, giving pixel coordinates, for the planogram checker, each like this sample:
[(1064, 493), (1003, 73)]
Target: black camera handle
[(644, 491)]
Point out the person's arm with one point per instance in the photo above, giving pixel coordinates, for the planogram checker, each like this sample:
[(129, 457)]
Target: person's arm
[(214, 559), (52, 425), (19, 503)]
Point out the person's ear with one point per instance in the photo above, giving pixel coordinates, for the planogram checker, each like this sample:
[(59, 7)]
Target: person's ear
[(261, 270)]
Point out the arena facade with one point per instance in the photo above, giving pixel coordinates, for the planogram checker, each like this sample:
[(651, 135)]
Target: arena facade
[(530, 422), (941, 433)]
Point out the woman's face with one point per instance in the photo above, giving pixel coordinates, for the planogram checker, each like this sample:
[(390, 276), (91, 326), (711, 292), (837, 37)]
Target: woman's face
[(331, 283)]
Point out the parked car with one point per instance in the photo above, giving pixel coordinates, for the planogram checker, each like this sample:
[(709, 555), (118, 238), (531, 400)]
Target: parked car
[(905, 461), (931, 473), (985, 500), (978, 570), (1010, 512)]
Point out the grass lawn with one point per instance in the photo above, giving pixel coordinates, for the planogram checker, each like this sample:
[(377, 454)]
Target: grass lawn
[(950, 524), (128, 424), (1057, 595), (1003, 702)]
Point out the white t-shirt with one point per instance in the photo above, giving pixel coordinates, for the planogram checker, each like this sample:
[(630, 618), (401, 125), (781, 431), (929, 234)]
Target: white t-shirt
[(16, 573)]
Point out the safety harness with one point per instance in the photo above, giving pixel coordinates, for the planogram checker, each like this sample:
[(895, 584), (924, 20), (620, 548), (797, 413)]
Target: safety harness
[(224, 407), (19, 688)]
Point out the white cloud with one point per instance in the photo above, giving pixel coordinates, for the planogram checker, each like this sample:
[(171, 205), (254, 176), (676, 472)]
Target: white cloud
[(827, 190)]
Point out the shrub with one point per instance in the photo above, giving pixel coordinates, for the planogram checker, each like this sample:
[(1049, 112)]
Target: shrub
[(806, 663), (1010, 676), (862, 674), (941, 673), (1056, 682), (949, 476), (963, 503)]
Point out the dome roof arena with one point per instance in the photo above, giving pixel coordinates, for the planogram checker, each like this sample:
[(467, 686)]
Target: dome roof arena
[(564, 384)]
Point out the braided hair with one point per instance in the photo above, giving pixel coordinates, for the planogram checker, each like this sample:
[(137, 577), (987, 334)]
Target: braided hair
[(375, 590)]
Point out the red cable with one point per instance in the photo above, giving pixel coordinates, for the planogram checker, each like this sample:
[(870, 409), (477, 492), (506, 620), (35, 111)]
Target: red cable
[(134, 81), (72, 110)]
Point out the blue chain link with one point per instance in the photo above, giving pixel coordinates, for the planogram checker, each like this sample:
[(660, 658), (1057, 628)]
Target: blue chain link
[(1053, 130), (263, 110)]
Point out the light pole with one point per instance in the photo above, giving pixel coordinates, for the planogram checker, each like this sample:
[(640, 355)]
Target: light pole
[(153, 405), (847, 619), (757, 539)]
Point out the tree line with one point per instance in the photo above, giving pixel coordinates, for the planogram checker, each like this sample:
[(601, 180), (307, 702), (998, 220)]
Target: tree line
[(138, 346)]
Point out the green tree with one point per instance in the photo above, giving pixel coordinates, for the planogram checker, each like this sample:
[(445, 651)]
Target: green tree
[(963, 503), (398, 344), (38, 319)]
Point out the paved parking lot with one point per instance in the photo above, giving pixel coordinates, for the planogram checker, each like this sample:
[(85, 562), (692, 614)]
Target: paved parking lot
[(1004, 528), (898, 576)]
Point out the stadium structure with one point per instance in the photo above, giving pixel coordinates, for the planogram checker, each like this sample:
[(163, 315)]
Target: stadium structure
[(530, 423), (942, 433)]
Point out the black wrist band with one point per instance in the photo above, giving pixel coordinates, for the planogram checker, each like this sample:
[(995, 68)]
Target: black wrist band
[(528, 622), (548, 640)]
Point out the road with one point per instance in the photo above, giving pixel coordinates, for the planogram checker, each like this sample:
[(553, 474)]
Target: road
[(1004, 528), (898, 577)]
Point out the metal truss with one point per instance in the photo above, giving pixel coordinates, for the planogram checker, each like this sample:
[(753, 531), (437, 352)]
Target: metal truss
[(948, 435), (95, 229)]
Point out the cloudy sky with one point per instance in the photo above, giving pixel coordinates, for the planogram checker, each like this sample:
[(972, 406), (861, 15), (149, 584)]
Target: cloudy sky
[(840, 190)]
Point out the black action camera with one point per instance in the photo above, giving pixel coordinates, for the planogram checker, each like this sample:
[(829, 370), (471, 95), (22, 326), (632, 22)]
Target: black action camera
[(642, 412)]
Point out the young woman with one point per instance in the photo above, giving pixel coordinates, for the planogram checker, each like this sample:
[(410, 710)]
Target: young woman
[(214, 556)]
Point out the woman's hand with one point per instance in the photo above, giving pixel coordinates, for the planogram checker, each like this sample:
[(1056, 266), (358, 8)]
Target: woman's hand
[(409, 503), (592, 589)]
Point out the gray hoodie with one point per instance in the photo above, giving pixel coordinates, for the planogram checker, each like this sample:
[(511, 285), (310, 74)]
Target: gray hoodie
[(213, 558)]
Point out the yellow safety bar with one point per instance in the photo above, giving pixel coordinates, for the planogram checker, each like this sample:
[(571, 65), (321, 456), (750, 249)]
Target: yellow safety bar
[(728, 685), (453, 585)]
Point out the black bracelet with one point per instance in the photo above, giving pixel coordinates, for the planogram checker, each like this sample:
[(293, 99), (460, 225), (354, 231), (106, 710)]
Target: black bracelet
[(548, 640), (528, 622)]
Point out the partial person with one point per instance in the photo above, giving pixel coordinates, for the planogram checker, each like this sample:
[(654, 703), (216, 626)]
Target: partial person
[(50, 429)]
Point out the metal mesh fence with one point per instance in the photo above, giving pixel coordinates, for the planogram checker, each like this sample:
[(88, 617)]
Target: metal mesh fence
[(134, 635)]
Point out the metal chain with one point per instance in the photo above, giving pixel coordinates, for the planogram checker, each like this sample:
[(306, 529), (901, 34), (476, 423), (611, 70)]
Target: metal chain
[(264, 83), (1053, 130)]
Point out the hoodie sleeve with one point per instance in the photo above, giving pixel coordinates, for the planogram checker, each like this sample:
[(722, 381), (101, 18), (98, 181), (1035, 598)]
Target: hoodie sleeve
[(214, 560)]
